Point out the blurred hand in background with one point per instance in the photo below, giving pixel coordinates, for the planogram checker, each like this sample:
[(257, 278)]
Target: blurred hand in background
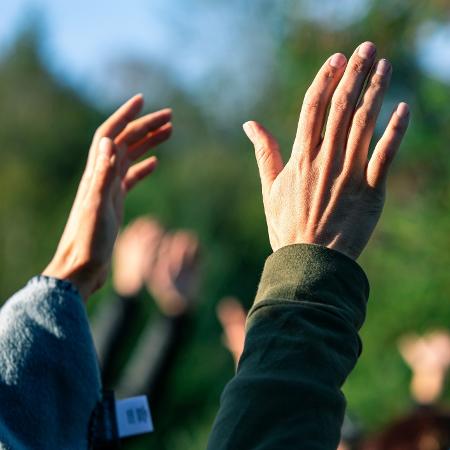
[(174, 278), (135, 254), (428, 357), (167, 264)]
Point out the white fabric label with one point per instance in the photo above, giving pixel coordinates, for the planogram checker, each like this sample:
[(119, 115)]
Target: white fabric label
[(133, 416)]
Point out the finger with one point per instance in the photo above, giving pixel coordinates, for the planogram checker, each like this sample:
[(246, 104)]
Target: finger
[(367, 111), (151, 236), (346, 97), (193, 249), (267, 152), (112, 127), (161, 267), (120, 119), (189, 247), (316, 101), (105, 167), (139, 228), (177, 251), (164, 248), (139, 171), (152, 139), (148, 225), (387, 147), (139, 128), (230, 310)]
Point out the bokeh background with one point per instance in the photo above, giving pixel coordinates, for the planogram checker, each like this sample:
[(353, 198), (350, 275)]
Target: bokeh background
[(65, 65)]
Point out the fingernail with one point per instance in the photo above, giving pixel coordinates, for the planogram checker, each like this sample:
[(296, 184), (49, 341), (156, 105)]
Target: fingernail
[(366, 50), (402, 110), (249, 129), (383, 67), (338, 60)]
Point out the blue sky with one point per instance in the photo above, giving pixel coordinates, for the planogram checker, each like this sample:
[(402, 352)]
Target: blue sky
[(191, 40)]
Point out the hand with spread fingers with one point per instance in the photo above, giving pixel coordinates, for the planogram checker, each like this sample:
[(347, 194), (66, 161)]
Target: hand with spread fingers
[(135, 254), (84, 252), (329, 193), (175, 275)]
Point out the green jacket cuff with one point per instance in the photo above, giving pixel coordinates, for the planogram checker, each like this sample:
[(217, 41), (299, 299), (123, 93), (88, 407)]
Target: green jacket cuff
[(314, 274)]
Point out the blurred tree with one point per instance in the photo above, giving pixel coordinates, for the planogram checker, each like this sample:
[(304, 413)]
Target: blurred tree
[(45, 131)]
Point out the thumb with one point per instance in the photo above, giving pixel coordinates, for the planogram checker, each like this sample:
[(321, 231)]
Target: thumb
[(267, 152), (105, 165)]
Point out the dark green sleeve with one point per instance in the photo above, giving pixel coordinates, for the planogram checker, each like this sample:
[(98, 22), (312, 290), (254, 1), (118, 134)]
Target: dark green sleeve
[(301, 344)]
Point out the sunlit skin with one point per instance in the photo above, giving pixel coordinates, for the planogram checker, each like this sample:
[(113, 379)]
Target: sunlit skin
[(167, 264), (135, 255), (329, 193), (428, 357), (232, 317), (175, 277), (84, 251)]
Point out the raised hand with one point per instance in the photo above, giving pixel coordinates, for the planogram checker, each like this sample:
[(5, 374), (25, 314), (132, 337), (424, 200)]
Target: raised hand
[(173, 279), (428, 357), (135, 253), (329, 193), (84, 252)]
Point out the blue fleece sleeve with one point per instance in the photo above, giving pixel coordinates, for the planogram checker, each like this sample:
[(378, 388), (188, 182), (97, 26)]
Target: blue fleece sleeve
[(49, 376)]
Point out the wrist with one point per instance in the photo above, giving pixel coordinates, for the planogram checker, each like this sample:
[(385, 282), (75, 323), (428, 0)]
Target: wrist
[(309, 272), (333, 244), (82, 277)]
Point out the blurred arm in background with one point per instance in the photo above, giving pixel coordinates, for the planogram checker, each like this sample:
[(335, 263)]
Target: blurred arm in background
[(136, 249), (168, 265), (321, 208), (173, 282), (49, 378)]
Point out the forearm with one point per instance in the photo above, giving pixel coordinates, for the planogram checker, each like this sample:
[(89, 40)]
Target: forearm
[(49, 379), (154, 357), (301, 344), (111, 326)]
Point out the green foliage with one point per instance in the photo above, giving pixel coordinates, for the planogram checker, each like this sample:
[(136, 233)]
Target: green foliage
[(207, 181), (44, 135)]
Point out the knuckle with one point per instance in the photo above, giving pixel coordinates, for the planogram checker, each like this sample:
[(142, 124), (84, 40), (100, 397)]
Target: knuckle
[(312, 101), (383, 159), (398, 127), (329, 74), (262, 155), (363, 119), (357, 66), (376, 83), (99, 132), (341, 103)]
